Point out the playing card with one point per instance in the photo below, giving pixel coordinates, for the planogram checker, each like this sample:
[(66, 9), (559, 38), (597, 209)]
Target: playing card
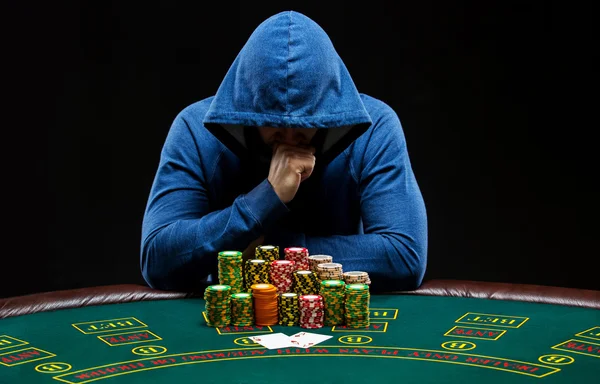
[(307, 340), (273, 340)]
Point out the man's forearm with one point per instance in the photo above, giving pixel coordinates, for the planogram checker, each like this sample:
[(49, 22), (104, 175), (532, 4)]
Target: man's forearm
[(394, 262), (186, 247)]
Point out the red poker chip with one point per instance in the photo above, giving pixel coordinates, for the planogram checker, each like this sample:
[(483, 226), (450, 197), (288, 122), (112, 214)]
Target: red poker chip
[(311, 297), (283, 263), (295, 249)]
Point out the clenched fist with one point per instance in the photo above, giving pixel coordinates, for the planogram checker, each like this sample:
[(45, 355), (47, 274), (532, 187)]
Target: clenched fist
[(290, 166)]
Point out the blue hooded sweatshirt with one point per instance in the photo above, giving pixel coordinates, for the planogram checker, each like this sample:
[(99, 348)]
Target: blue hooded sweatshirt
[(361, 205)]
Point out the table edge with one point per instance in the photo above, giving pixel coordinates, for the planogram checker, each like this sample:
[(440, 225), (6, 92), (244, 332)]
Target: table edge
[(574, 297), (124, 293)]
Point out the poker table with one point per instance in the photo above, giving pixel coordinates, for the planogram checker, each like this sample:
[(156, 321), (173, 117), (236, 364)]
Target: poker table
[(444, 332)]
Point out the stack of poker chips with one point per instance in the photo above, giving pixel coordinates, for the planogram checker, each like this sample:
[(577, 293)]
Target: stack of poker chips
[(299, 255), (267, 252), (311, 311), (217, 303), (265, 304), (357, 305), (256, 271), (230, 270), (289, 313), (242, 309), (305, 283), (357, 277), (315, 260), (281, 274), (330, 271), (334, 297)]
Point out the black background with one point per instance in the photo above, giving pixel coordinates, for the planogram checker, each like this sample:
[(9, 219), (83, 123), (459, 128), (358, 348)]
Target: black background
[(493, 97)]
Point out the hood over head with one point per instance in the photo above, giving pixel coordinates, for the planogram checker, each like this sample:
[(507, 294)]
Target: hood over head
[(288, 74)]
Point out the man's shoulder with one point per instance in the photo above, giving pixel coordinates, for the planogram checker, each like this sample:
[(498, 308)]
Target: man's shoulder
[(384, 136), (377, 108), (192, 117), (194, 113), (386, 126), (189, 130)]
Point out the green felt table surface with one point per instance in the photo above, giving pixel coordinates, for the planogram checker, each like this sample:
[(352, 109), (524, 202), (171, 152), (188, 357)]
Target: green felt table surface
[(411, 339)]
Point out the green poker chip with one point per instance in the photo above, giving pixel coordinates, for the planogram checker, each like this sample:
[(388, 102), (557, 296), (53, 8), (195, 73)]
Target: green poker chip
[(332, 283), (230, 254), (230, 270), (357, 287), (219, 287)]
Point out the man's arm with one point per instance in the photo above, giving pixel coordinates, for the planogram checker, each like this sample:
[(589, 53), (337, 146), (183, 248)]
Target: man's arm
[(393, 248), (181, 236)]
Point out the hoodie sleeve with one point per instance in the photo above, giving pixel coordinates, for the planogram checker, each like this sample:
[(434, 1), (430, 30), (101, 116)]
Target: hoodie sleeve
[(181, 234), (393, 245)]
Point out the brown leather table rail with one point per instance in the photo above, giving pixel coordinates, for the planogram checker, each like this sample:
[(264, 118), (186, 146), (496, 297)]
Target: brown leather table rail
[(585, 298), (112, 294)]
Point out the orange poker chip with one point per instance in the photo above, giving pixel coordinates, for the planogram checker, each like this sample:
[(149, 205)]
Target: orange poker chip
[(265, 304)]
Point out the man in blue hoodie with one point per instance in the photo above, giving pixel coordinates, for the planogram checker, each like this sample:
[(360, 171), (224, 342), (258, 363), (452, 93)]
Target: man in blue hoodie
[(287, 153)]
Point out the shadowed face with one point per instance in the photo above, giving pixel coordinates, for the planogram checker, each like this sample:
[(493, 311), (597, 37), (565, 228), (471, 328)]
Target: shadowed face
[(290, 136)]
